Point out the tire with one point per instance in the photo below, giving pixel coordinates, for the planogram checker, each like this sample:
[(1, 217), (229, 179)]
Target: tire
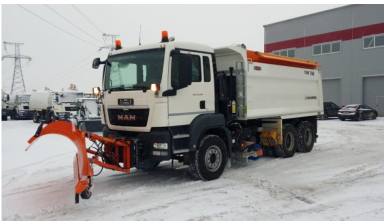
[(51, 117), (324, 117), (360, 118), (86, 194), (4, 117), (209, 161), (374, 116), (289, 146), (35, 117), (305, 136), (342, 119)]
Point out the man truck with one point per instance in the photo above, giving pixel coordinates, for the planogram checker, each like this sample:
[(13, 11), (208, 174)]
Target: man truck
[(53, 105), (18, 106), (196, 105)]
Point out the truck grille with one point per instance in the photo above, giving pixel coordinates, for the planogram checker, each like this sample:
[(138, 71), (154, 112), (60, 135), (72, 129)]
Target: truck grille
[(136, 116)]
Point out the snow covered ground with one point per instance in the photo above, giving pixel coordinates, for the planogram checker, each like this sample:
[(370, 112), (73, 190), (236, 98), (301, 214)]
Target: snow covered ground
[(341, 179)]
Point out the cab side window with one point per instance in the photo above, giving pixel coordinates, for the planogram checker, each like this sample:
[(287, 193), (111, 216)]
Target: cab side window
[(196, 68), (207, 69)]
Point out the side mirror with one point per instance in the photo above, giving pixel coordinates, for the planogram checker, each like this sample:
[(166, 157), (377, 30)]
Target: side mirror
[(96, 62), (185, 71)]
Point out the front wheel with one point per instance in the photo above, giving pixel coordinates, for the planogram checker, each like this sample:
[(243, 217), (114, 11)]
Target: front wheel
[(374, 116), (360, 117), (208, 162), (325, 116)]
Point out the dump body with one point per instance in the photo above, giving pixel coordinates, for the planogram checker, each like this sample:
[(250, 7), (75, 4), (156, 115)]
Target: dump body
[(272, 90)]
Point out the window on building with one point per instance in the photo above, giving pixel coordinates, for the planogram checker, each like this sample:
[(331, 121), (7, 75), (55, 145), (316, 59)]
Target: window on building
[(374, 41), (327, 48), (285, 52)]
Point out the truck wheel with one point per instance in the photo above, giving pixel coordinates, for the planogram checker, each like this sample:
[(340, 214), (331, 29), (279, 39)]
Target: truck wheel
[(289, 146), (305, 136), (35, 117), (51, 117), (209, 161)]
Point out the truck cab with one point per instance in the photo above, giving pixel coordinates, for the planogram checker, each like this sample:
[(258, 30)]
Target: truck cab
[(18, 106)]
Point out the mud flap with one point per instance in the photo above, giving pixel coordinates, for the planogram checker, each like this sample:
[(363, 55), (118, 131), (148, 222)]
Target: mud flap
[(82, 167)]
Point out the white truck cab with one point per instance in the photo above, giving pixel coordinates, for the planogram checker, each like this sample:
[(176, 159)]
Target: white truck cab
[(18, 106)]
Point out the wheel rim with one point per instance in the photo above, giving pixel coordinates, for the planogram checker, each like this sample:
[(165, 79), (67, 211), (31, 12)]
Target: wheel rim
[(360, 117), (308, 136), (289, 141), (213, 158)]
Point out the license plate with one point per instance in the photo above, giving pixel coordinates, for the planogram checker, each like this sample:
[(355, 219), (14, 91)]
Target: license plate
[(125, 102)]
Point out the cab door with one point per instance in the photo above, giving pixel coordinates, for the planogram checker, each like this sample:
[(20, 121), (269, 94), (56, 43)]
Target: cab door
[(196, 98)]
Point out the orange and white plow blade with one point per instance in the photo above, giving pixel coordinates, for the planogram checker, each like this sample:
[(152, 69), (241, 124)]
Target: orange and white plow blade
[(82, 167)]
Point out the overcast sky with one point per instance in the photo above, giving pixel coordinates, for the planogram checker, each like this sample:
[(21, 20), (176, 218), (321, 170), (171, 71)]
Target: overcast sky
[(63, 39)]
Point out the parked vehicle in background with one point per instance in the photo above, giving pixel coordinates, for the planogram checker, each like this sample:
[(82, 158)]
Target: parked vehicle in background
[(4, 107), (87, 117), (357, 112), (18, 106), (53, 105), (330, 110)]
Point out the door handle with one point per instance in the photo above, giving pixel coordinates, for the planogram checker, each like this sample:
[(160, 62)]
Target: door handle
[(202, 104)]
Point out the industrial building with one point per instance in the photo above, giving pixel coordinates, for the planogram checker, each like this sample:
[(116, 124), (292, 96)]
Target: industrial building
[(347, 41)]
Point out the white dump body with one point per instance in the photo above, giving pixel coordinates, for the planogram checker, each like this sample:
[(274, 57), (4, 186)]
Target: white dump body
[(268, 90), (40, 100)]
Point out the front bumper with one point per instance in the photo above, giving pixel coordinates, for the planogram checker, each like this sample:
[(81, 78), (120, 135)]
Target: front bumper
[(143, 151)]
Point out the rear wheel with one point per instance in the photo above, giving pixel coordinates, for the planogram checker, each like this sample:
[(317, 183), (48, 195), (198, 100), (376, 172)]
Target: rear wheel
[(360, 118), (305, 136), (289, 146), (209, 161)]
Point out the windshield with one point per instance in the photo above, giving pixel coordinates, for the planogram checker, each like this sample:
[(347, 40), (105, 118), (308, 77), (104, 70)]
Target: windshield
[(134, 70), (67, 97), (24, 98)]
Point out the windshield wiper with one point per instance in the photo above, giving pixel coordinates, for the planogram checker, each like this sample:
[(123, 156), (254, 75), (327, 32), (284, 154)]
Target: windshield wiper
[(144, 88)]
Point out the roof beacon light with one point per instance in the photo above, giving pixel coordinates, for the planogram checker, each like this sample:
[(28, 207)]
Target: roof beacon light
[(118, 44), (164, 36)]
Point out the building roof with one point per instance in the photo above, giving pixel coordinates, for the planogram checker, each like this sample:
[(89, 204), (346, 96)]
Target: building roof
[(337, 8)]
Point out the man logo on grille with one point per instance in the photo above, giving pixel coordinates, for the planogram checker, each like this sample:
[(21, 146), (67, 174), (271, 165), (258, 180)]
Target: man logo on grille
[(126, 117)]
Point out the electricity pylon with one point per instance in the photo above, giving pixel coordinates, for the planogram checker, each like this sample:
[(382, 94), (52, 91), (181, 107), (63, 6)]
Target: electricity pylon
[(17, 80), (112, 46)]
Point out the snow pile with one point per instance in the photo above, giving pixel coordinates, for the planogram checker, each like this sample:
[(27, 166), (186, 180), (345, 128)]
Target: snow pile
[(341, 179)]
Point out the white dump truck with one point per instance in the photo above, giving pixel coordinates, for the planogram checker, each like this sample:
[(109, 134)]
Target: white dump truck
[(203, 106), (53, 105), (87, 117), (4, 106), (18, 106)]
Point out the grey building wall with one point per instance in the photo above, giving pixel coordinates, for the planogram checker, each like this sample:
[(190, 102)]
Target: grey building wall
[(352, 68)]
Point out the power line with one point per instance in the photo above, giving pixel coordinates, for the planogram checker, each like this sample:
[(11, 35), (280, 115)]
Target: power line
[(55, 25), (57, 75), (72, 23), (86, 18)]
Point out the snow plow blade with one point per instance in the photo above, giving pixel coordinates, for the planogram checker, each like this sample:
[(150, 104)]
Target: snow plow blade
[(107, 149)]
